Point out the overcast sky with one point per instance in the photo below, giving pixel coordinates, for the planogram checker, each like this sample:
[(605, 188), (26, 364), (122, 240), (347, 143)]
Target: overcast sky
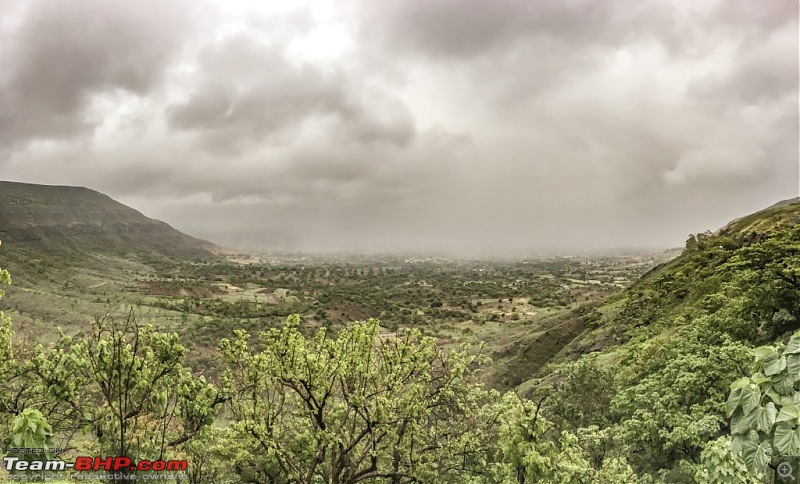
[(468, 126)]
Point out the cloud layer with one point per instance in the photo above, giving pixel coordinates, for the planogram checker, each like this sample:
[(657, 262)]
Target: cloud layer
[(457, 126)]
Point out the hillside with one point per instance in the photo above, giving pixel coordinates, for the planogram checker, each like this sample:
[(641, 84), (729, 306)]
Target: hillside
[(699, 280), (761, 246), (74, 222), (650, 368)]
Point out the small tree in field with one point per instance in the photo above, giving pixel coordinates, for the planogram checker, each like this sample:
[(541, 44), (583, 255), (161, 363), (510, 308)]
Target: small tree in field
[(358, 407), (128, 386)]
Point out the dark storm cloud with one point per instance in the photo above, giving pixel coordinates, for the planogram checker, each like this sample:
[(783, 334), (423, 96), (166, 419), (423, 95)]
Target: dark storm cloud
[(468, 28), (463, 126), (63, 53), (445, 28), (250, 90)]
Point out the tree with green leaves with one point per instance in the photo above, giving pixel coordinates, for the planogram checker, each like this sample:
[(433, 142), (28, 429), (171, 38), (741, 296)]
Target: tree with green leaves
[(128, 387), (673, 390), (531, 454), (6, 353), (768, 271), (718, 465), (583, 394), (30, 430), (21, 425), (764, 407), (215, 455), (358, 407)]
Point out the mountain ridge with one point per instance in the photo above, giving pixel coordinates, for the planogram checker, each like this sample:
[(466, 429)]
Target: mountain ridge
[(76, 221)]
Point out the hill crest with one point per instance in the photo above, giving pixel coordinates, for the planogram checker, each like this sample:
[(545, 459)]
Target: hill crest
[(74, 221)]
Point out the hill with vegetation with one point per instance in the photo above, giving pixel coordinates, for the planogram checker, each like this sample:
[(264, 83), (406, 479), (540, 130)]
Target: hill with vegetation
[(71, 223), (748, 263), (649, 369)]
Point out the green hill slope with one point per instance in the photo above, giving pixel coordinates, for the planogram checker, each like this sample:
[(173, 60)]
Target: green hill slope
[(72, 222), (648, 371), (75, 254), (751, 257)]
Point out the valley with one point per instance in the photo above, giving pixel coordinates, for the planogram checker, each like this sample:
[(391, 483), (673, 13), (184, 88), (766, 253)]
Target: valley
[(605, 368), (498, 303)]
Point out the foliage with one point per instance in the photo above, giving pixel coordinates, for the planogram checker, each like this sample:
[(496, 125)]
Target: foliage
[(5, 278), (764, 407), (9, 368), (128, 386), (215, 455), (6, 355), (718, 465), (357, 407), (30, 430), (673, 392), (583, 394), (336, 401), (768, 271), (530, 456)]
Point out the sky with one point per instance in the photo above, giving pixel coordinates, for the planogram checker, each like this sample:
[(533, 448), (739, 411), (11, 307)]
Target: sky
[(461, 127)]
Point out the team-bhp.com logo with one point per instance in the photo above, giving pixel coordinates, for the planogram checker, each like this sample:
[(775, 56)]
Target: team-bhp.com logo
[(86, 463)]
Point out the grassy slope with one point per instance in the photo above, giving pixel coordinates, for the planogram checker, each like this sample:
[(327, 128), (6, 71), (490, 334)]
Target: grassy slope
[(651, 306), (75, 253), (69, 222)]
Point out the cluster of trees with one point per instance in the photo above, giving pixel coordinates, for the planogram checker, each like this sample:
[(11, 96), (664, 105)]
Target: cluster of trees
[(693, 395), (344, 409), (356, 407), (360, 408)]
